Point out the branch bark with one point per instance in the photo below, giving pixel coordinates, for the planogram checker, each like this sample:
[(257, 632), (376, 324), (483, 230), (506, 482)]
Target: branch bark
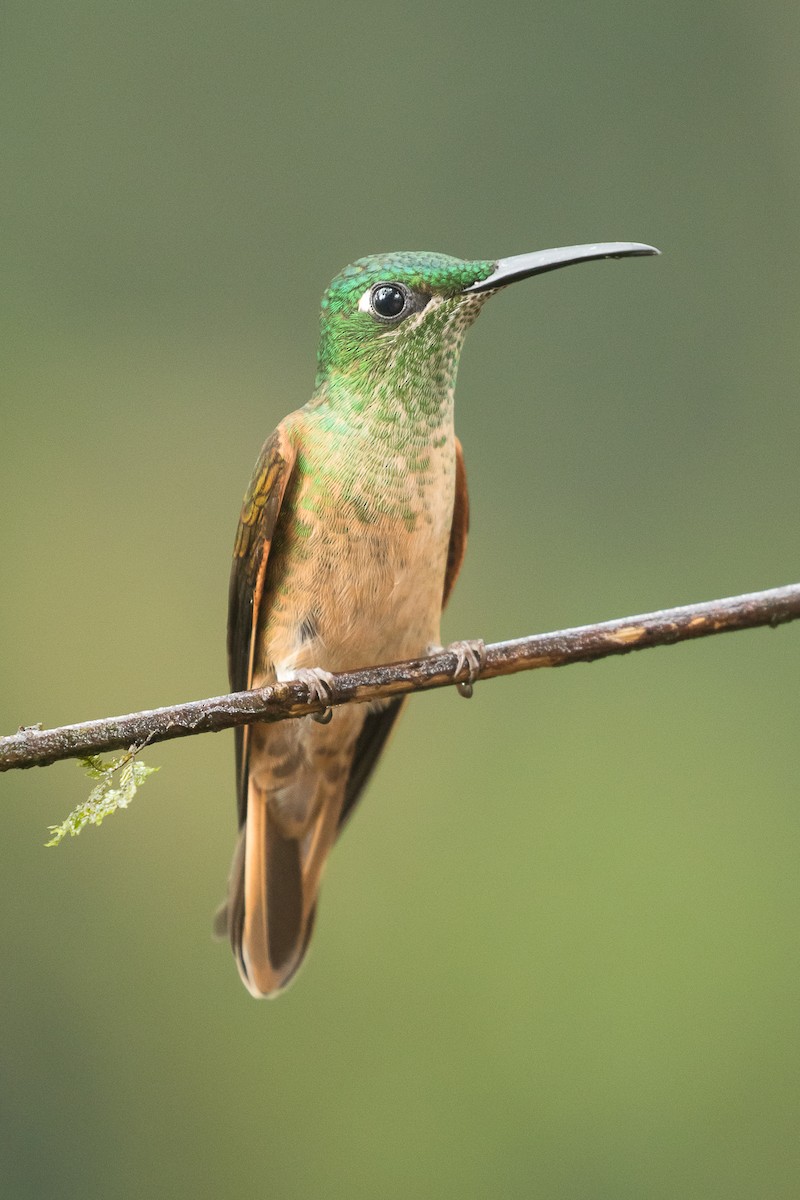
[(33, 746)]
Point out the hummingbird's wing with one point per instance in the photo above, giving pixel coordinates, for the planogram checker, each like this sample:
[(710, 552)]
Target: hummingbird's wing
[(460, 527), (378, 725), (254, 536), (257, 522)]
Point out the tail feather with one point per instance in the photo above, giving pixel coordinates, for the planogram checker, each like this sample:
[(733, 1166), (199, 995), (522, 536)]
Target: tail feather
[(273, 900), (272, 896), (299, 782)]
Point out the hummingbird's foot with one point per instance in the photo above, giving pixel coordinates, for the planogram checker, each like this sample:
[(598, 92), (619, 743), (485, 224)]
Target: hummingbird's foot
[(470, 654), (320, 686)]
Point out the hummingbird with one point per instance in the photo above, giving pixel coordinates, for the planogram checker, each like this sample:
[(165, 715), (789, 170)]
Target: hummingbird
[(351, 536)]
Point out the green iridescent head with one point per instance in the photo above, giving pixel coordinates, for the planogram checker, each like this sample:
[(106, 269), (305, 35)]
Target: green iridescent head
[(400, 318), (403, 299)]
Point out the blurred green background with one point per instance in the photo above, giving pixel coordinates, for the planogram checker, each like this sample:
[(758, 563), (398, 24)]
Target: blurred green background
[(557, 953)]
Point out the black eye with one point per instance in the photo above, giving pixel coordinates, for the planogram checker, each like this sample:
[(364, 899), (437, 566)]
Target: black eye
[(389, 300)]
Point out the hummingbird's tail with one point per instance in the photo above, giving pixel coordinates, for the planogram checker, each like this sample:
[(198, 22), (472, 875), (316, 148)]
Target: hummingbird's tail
[(303, 781), (273, 888)]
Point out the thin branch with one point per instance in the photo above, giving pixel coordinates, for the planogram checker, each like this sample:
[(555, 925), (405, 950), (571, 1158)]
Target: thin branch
[(33, 746)]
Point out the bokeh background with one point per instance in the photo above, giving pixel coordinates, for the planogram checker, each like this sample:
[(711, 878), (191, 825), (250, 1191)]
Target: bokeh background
[(557, 952)]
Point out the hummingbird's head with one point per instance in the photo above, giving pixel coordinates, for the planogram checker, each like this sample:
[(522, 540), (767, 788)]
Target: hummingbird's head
[(387, 308), (398, 320)]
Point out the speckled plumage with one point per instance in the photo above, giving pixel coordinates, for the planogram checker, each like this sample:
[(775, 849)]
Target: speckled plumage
[(358, 547)]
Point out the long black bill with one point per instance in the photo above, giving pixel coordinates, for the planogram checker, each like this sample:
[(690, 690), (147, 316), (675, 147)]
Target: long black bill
[(520, 266)]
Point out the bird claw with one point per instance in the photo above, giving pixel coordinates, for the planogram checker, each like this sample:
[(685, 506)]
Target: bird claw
[(320, 686), (471, 654)]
